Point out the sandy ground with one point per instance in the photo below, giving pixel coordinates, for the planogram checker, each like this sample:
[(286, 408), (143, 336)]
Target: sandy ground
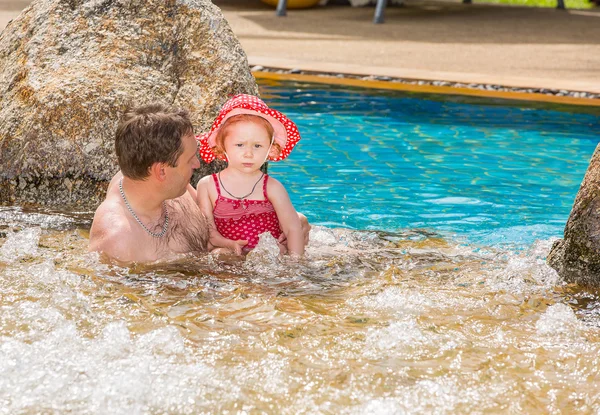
[(9, 9), (478, 43), (513, 46)]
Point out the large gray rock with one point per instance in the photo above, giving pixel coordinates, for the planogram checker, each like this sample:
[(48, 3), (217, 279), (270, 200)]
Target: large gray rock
[(68, 69), (576, 258)]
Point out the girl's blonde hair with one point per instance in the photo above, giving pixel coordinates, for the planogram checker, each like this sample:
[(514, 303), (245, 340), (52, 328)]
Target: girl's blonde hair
[(219, 148)]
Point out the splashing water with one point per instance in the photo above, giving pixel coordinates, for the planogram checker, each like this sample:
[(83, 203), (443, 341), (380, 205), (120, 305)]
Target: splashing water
[(369, 322)]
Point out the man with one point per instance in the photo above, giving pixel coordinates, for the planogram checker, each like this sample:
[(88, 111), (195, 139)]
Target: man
[(150, 211)]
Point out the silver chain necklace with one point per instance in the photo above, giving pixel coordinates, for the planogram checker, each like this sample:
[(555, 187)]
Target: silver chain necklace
[(148, 231), (243, 197)]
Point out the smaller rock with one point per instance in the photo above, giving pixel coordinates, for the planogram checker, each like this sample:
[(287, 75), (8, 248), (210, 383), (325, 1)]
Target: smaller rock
[(68, 184)]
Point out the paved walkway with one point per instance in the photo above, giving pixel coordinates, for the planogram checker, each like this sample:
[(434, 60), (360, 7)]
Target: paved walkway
[(9, 9), (448, 41)]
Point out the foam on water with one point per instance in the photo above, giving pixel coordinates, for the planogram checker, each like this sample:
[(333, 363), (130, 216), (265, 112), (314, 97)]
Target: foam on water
[(111, 374), (20, 244), (401, 334), (367, 323), (558, 319), (15, 216), (395, 300), (266, 251)]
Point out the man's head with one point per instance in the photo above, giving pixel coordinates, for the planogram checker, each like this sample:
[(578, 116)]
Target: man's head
[(150, 134)]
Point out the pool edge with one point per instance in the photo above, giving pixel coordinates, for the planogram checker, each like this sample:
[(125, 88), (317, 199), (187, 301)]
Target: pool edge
[(427, 89)]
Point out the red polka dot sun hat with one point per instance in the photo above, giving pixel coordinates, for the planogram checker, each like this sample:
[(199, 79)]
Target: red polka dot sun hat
[(285, 131)]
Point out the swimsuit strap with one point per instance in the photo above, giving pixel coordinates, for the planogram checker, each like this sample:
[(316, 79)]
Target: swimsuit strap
[(265, 187), (217, 184)]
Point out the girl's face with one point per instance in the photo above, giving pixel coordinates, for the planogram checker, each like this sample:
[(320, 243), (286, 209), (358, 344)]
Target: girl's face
[(246, 146)]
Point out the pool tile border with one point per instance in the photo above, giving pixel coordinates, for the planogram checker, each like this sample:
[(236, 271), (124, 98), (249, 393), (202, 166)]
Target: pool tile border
[(422, 86)]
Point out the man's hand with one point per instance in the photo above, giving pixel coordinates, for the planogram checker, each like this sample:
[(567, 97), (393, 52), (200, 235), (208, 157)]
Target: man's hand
[(237, 247)]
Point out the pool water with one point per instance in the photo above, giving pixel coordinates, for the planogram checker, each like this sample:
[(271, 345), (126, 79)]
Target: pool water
[(490, 172), (411, 298)]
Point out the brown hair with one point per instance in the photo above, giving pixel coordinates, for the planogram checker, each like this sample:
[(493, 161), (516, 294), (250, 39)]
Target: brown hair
[(150, 134), (219, 148)]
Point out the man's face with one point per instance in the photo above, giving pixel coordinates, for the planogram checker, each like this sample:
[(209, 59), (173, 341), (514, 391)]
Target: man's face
[(188, 161)]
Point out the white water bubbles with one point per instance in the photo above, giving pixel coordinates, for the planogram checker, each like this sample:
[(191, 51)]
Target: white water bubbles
[(381, 406), (38, 280), (524, 271), (14, 216), (266, 265), (326, 241), (396, 338), (396, 301), (265, 252), (395, 326), (437, 395), (265, 260), (165, 340), (323, 243), (20, 244), (320, 236), (117, 372), (30, 321), (559, 319), (38, 298), (344, 257)]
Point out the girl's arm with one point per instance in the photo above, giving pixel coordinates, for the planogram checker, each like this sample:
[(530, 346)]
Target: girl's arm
[(287, 215), (206, 204)]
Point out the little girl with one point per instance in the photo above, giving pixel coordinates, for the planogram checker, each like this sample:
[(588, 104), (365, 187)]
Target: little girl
[(241, 202)]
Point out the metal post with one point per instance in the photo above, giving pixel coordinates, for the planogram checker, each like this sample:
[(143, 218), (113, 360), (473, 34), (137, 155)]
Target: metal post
[(560, 4), (281, 8), (378, 11)]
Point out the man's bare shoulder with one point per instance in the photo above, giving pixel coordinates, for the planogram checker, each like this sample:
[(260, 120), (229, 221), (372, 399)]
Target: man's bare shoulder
[(111, 230)]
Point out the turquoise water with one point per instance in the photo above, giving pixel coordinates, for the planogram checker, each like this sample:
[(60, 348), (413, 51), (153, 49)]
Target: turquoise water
[(479, 170)]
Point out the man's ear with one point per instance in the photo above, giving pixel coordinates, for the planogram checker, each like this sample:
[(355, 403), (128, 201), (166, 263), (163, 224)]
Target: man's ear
[(158, 171)]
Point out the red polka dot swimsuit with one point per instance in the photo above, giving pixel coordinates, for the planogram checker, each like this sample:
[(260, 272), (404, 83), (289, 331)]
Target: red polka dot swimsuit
[(245, 219)]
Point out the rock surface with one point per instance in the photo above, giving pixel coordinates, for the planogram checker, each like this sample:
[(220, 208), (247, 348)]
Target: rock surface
[(576, 258), (69, 68)]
